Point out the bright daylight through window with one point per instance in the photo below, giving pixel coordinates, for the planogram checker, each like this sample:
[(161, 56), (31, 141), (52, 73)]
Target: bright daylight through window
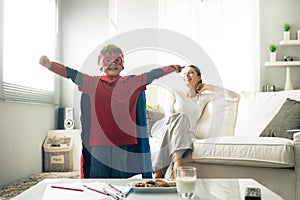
[(29, 31)]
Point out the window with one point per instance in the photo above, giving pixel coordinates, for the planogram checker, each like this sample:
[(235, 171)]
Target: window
[(228, 30), (29, 31)]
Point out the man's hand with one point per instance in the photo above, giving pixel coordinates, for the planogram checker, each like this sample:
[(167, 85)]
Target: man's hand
[(44, 61)]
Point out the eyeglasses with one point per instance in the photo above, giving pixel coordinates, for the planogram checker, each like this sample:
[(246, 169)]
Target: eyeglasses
[(108, 60)]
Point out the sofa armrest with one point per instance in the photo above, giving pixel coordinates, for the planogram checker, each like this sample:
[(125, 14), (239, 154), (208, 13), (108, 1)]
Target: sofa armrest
[(296, 138)]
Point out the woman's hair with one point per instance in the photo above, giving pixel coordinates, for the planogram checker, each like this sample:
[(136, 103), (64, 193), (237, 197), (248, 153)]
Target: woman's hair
[(197, 71), (110, 49)]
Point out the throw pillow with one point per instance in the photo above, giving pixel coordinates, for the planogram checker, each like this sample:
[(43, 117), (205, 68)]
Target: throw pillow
[(287, 118), (152, 117), (219, 114)]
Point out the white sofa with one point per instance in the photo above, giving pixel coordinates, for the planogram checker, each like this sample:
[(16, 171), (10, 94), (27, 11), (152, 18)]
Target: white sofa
[(228, 142)]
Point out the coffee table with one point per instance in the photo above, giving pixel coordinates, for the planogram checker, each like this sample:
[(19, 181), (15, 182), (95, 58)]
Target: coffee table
[(206, 189)]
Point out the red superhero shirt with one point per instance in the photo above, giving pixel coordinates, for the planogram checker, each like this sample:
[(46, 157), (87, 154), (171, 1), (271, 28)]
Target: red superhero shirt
[(113, 102)]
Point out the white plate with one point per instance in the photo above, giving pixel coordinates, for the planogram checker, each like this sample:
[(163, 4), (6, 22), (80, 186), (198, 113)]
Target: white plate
[(152, 189)]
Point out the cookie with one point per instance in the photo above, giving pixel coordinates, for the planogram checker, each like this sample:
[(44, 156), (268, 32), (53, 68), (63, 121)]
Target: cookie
[(149, 185), (155, 183), (152, 182), (172, 184), (141, 184)]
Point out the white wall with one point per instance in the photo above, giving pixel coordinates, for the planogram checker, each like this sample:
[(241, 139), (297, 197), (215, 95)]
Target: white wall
[(135, 14), (83, 26), (23, 128), (273, 14)]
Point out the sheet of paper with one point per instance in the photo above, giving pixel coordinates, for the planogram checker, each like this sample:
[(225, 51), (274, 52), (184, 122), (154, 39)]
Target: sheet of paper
[(62, 194), (122, 188)]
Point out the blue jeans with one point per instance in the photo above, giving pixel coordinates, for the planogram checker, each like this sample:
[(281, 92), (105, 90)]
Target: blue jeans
[(118, 162), (108, 162)]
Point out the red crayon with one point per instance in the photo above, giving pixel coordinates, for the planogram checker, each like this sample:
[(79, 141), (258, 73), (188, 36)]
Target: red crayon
[(65, 188)]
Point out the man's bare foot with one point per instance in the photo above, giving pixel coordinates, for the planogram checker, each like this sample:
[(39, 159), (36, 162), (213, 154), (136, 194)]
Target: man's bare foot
[(157, 174)]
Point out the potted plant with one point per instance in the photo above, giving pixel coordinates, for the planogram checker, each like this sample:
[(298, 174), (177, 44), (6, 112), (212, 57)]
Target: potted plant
[(272, 49), (286, 33)]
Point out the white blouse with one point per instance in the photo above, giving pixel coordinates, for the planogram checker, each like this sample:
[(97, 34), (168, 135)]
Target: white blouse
[(192, 107)]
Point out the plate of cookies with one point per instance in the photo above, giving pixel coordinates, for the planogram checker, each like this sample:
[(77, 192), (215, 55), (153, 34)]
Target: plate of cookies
[(154, 185)]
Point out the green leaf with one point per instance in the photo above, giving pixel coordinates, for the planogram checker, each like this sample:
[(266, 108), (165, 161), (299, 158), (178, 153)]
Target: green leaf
[(273, 47), (286, 27)]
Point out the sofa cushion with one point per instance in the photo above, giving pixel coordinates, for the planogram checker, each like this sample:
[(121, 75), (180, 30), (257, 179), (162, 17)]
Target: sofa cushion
[(152, 117), (219, 115), (246, 151), (287, 118), (257, 109)]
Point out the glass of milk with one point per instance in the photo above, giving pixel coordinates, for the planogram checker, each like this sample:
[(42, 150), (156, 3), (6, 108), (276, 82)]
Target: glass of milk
[(186, 182)]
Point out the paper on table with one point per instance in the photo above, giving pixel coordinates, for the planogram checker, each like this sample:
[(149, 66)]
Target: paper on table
[(122, 188), (61, 194), (138, 176)]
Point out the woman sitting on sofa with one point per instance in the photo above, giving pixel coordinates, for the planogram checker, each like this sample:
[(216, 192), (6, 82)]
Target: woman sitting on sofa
[(173, 135)]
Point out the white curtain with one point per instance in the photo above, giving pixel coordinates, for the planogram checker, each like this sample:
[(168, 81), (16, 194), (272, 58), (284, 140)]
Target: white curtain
[(228, 31)]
